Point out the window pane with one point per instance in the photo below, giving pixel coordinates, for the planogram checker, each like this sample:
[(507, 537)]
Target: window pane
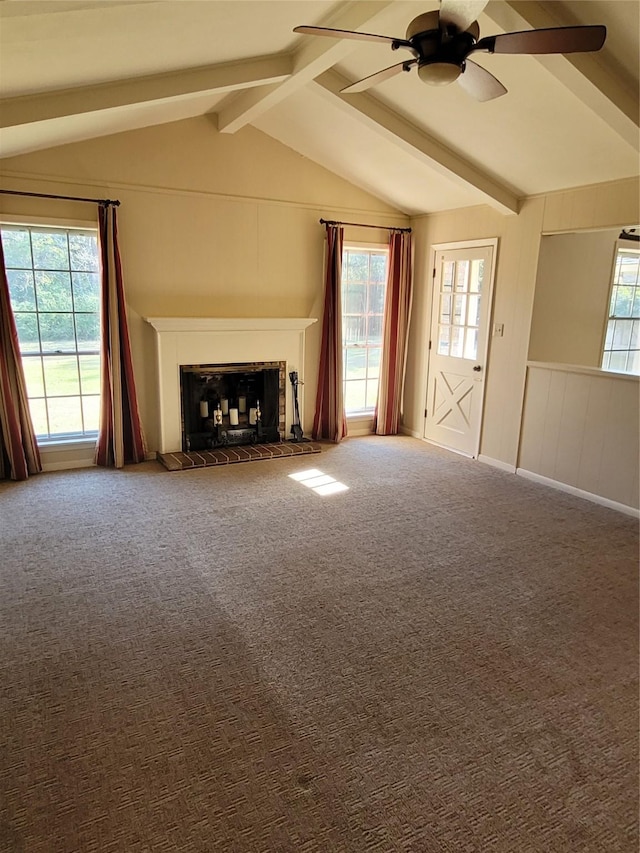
[(474, 311), (447, 276), (459, 308), (357, 267), (21, 290), (91, 412), (477, 274), (65, 415), (445, 308), (618, 361), (443, 340), (16, 246), (609, 337), (378, 272), (373, 362), (471, 343), (355, 363), (633, 365), (50, 250), (376, 298), (622, 334), (89, 374), (88, 331), (354, 300), (354, 329), (623, 301), (38, 410), (61, 375), (372, 393), (86, 291), (32, 367), (27, 326), (83, 250), (53, 290), (355, 395), (462, 276), (374, 334), (57, 332), (457, 341)]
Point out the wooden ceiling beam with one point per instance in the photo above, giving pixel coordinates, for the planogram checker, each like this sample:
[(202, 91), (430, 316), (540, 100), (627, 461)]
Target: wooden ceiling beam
[(419, 144), (586, 75), (313, 57)]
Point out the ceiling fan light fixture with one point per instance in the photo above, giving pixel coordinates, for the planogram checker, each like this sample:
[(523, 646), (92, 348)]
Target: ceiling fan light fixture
[(439, 73)]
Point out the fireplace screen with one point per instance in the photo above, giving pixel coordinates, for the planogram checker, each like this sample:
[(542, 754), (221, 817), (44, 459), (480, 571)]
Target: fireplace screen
[(226, 404)]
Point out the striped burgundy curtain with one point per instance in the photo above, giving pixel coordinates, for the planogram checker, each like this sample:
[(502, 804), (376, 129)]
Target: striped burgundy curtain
[(120, 438), (330, 421), (19, 454), (396, 329)]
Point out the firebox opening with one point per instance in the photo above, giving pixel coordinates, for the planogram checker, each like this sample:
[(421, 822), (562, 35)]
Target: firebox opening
[(225, 404)]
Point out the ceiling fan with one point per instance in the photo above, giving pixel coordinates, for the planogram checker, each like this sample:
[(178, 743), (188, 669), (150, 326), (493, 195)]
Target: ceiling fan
[(441, 43)]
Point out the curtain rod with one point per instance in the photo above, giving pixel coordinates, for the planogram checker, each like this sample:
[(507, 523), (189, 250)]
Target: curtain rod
[(105, 201), (362, 225)]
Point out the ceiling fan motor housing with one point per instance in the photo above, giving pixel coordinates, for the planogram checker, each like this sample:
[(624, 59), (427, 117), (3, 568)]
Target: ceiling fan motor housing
[(440, 48)]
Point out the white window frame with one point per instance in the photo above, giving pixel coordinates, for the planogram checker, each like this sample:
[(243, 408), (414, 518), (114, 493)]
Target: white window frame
[(377, 248), (61, 441), (632, 248)]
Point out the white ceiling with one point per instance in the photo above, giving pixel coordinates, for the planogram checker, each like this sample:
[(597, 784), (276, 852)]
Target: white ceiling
[(72, 70)]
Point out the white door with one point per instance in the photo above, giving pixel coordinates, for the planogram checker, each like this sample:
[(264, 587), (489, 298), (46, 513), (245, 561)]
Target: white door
[(461, 308)]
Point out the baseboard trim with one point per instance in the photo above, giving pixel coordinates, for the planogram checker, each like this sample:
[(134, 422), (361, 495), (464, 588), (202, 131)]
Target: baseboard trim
[(497, 463), (412, 432), (69, 465), (579, 493)]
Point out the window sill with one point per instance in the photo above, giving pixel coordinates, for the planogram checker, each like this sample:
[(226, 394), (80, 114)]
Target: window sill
[(66, 444)]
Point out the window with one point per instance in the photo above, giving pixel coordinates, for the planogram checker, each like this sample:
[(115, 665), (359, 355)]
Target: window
[(54, 287), (364, 282), (622, 340)]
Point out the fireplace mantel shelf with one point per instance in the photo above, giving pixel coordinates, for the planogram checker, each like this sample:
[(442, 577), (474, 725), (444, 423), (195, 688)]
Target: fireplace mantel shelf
[(229, 324)]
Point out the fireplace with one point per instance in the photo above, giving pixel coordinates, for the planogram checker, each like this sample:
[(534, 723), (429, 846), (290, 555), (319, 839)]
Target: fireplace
[(231, 404), (207, 343)]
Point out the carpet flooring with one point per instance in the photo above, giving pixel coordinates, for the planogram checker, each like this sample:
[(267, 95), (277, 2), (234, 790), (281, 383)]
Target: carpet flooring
[(441, 658), (180, 461)]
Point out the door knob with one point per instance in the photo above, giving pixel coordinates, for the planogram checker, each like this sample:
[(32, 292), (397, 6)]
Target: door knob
[(478, 368)]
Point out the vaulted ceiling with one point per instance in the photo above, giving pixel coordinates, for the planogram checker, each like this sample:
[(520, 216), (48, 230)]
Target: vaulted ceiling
[(72, 70)]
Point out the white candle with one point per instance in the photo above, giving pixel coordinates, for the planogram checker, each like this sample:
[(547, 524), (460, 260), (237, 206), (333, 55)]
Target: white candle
[(233, 417), (225, 406), (242, 405), (252, 416), (204, 409)]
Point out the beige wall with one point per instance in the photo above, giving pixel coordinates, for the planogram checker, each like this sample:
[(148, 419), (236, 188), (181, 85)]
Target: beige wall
[(218, 225), (210, 225), (572, 295), (600, 206)]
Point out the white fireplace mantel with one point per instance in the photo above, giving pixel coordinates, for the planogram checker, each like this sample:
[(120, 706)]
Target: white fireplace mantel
[(220, 340)]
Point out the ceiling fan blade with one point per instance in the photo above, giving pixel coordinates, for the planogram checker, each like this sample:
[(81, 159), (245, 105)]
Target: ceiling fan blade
[(348, 34), (378, 77), (480, 83), (461, 13), (553, 40)]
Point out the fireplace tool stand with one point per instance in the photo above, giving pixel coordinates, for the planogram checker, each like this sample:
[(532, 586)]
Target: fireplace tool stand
[(296, 428)]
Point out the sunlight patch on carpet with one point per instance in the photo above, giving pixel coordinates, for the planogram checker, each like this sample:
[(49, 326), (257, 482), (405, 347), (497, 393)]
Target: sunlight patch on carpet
[(322, 484)]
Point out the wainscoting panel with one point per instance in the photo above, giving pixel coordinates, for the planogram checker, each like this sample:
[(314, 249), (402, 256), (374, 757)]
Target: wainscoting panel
[(581, 427)]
